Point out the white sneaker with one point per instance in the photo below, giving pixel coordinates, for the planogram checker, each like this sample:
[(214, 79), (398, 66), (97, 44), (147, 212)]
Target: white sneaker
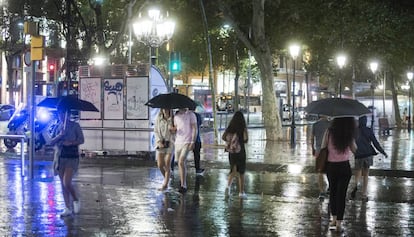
[(66, 212), (76, 207), (242, 195)]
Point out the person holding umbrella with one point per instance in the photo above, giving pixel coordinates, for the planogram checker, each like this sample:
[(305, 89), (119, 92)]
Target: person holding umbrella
[(164, 140), (68, 141), (185, 128)]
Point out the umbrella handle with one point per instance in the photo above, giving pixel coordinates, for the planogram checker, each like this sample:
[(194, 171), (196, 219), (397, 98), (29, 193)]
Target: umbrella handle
[(172, 117)]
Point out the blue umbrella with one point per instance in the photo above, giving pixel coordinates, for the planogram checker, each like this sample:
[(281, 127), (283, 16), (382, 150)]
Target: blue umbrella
[(67, 103)]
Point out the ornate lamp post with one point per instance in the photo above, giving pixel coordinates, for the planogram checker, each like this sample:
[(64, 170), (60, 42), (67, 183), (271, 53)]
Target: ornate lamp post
[(373, 66), (294, 52), (340, 60), (153, 30), (410, 78)]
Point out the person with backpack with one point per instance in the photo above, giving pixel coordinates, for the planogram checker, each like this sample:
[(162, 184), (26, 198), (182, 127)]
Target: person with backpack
[(364, 156), (235, 137)]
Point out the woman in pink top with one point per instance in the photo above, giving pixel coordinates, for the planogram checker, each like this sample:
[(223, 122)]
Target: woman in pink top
[(340, 139)]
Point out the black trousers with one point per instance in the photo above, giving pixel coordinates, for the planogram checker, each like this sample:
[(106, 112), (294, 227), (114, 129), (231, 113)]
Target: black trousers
[(196, 151), (339, 174)]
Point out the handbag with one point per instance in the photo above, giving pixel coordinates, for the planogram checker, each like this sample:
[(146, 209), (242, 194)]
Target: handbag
[(321, 160)]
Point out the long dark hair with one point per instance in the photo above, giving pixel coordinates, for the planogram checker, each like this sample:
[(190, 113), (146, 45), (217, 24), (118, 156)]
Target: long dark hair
[(343, 132), (237, 124)]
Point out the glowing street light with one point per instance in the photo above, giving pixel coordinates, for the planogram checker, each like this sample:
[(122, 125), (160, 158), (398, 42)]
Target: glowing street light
[(373, 66), (340, 60), (154, 30), (294, 52)]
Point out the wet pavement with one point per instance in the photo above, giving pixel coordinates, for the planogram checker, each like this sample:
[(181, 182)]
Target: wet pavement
[(122, 199)]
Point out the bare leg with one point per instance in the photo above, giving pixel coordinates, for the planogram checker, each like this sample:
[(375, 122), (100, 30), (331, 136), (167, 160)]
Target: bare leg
[(167, 168), (241, 183), (67, 187), (357, 177), (365, 173), (182, 167), (161, 163), (231, 176)]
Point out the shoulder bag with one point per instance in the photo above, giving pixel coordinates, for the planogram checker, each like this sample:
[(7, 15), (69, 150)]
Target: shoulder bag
[(321, 160)]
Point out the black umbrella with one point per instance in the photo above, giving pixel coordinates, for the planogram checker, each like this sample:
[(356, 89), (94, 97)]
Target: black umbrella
[(68, 103), (171, 101), (337, 107)]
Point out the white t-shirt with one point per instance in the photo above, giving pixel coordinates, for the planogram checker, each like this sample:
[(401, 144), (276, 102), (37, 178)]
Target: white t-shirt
[(185, 123)]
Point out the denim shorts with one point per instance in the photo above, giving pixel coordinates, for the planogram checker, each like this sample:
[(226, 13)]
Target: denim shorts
[(363, 163), (68, 163)]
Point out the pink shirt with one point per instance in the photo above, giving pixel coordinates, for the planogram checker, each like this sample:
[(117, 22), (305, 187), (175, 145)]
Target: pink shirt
[(336, 156), (185, 123)]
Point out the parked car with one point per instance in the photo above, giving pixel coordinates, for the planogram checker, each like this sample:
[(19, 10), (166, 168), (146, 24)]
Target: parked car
[(6, 111)]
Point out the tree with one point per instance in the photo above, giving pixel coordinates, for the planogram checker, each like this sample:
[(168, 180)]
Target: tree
[(254, 36)]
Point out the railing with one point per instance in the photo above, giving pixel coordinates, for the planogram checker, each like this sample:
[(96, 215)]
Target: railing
[(22, 139)]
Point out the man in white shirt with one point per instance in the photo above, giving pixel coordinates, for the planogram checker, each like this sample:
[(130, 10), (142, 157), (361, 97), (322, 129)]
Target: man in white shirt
[(185, 126)]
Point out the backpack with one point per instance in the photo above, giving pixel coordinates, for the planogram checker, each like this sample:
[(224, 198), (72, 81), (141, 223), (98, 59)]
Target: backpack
[(232, 143)]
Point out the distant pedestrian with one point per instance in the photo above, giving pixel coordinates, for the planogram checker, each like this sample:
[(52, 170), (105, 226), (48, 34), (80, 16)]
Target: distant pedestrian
[(164, 141), (340, 140), (68, 141), (318, 130), (404, 118), (236, 134), (364, 156), (185, 127), (197, 145)]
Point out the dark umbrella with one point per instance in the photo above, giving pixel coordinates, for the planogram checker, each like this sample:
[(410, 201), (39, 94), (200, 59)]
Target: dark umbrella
[(67, 103), (171, 101), (337, 107)]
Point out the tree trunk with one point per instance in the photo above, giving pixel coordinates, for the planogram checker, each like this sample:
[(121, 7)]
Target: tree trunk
[(263, 55), (257, 43), (398, 119), (270, 109)]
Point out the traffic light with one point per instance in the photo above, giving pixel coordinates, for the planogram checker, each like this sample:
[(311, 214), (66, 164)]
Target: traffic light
[(175, 61), (52, 72)]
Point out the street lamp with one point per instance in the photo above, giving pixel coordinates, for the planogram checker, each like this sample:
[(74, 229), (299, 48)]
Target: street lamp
[(340, 60), (153, 30), (410, 77), (373, 66), (294, 52)]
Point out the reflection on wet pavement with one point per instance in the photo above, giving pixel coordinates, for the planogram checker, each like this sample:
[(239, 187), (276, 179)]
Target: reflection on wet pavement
[(280, 184), (122, 201)]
